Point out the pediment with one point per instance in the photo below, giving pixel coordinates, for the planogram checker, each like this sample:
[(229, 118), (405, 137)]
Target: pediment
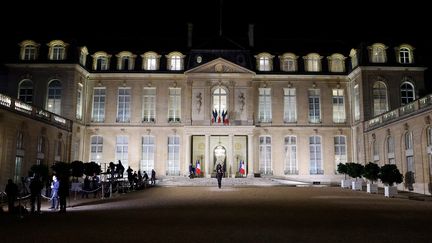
[(219, 65)]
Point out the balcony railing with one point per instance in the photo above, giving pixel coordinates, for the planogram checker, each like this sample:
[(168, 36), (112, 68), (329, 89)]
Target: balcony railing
[(415, 106), (20, 107)]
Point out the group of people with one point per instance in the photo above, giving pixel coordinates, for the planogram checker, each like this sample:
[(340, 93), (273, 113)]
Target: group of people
[(139, 180)]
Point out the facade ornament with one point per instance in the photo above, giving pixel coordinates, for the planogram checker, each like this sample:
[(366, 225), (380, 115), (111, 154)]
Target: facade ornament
[(148, 131), (388, 132), (198, 102), (427, 120), (406, 126)]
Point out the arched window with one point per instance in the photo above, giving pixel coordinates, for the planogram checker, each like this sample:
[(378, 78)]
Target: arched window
[(220, 102), (288, 62), (291, 167), (125, 61), (312, 62), (101, 61), (265, 158), (404, 54), (25, 91), (378, 53), (29, 50), (54, 97), (379, 92), (57, 50), (175, 61), (150, 61), (264, 61), (407, 93), (336, 63)]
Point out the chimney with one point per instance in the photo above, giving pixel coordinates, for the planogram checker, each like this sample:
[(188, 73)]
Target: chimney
[(251, 35), (190, 28)]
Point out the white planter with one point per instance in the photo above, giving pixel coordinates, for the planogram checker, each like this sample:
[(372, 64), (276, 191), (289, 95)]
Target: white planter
[(372, 188), (390, 191), (357, 185), (346, 183)]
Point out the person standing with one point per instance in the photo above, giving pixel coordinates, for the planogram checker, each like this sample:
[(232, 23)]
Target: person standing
[(35, 193), (54, 193), (153, 177), (12, 193), (63, 192), (219, 174)]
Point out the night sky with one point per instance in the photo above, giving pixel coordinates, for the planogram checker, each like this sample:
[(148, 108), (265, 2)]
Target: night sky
[(350, 22)]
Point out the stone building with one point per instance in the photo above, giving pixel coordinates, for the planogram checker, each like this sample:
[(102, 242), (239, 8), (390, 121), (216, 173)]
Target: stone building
[(287, 113)]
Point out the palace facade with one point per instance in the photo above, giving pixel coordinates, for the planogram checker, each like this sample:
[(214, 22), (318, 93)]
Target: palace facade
[(287, 113)]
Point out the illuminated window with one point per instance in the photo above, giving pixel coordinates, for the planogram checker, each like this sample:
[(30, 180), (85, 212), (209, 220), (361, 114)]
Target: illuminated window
[(175, 61), (148, 152), (338, 106), (125, 61), (173, 155), (288, 62), (174, 103), (150, 61), (96, 148), (101, 61), (315, 156), (379, 92), (340, 150), (57, 50), (123, 104), (29, 50), (220, 102), (122, 150), (336, 63), (290, 105), (291, 167), (264, 62), (149, 105), (314, 106), (98, 111), (405, 54), (265, 158), (312, 62), (264, 105), (54, 97), (377, 53)]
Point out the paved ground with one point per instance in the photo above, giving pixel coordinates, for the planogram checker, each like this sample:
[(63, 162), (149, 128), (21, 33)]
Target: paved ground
[(260, 213)]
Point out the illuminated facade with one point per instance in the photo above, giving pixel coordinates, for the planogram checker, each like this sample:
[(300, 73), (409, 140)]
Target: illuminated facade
[(287, 114)]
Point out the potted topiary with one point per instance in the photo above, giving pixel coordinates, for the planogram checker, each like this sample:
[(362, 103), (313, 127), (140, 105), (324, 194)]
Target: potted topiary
[(389, 175), (371, 172), (355, 170), (342, 169)]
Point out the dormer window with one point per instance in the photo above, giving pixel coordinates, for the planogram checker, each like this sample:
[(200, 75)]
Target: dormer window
[(404, 54), (125, 61), (288, 62), (29, 50), (312, 62), (377, 53), (150, 61), (354, 58), (336, 63), (83, 55), (57, 50), (101, 61), (264, 62), (175, 61)]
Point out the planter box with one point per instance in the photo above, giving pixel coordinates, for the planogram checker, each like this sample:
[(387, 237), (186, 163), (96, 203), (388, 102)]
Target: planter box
[(390, 191), (372, 188), (357, 185), (346, 183)]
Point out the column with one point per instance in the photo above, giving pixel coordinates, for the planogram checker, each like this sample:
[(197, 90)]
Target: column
[(207, 156), (250, 162), (230, 155), (187, 158)]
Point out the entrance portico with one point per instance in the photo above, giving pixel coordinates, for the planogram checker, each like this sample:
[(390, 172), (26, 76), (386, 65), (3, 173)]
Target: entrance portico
[(235, 145)]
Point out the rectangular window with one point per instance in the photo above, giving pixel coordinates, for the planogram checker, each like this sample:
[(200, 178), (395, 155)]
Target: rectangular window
[(29, 53), (79, 102), (338, 106), (149, 105), (356, 103), (340, 149), (265, 157), (264, 64), (148, 152), (289, 65), (98, 113), (96, 149), (122, 143), (20, 141), (375, 151), (410, 163), (174, 104), (175, 63), (264, 106), (40, 145), (290, 105), (173, 155), (291, 155), (314, 106), (18, 169), (123, 104), (315, 157), (58, 53), (151, 63)]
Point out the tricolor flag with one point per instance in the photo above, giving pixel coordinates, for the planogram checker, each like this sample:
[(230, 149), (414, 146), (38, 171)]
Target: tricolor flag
[(242, 167), (198, 168)]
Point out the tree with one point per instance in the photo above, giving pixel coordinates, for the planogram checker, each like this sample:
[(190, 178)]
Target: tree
[(77, 168), (355, 170), (389, 174), (342, 169), (371, 172), (92, 168), (41, 170), (61, 169)]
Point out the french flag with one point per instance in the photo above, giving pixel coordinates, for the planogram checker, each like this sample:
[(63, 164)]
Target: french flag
[(198, 168), (242, 168)]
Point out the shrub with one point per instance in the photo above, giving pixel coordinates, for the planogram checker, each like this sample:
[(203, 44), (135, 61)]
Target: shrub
[(355, 170), (371, 172), (389, 174), (342, 169)]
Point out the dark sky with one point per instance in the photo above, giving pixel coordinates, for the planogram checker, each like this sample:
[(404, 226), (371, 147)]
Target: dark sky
[(348, 21)]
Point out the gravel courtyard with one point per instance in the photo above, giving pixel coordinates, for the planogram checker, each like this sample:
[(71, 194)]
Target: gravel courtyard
[(266, 213)]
